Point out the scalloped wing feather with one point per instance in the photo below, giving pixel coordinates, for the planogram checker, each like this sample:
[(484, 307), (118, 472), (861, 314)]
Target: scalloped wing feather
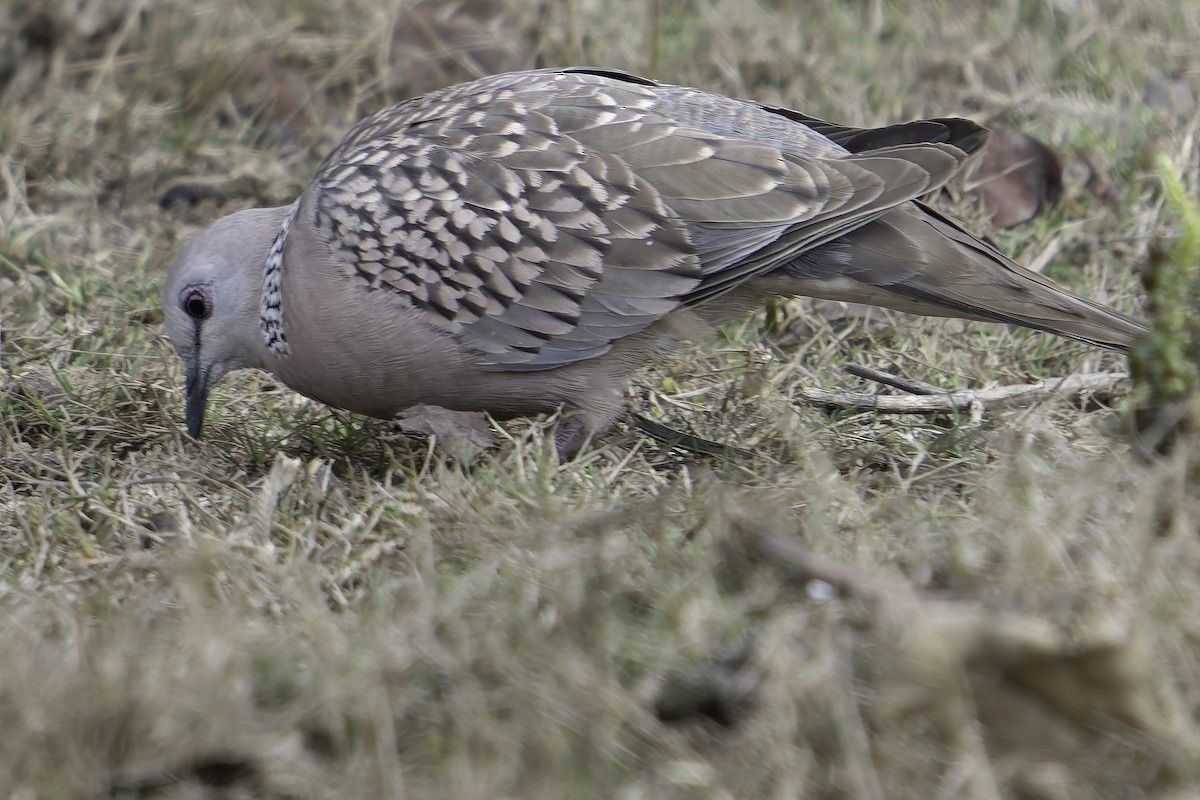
[(540, 217)]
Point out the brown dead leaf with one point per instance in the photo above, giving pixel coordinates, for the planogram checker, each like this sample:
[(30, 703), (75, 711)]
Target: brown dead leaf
[(462, 434), (1016, 178)]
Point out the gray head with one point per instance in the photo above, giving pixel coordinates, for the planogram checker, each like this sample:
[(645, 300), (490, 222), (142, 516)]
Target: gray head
[(211, 302)]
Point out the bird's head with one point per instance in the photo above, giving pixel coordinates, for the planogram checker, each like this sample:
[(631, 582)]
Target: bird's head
[(211, 302)]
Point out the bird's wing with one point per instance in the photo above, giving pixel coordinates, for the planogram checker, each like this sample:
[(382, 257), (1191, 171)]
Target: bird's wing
[(968, 136), (540, 217)]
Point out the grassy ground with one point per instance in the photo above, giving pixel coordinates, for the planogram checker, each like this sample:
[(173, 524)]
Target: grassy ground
[(312, 604)]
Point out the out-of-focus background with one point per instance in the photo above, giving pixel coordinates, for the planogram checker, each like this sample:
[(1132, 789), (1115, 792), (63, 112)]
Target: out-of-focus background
[(994, 600)]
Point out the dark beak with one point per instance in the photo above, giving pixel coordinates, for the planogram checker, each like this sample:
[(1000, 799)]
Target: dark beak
[(197, 396)]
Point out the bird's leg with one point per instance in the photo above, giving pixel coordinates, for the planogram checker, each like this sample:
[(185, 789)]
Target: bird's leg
[(570, 435)]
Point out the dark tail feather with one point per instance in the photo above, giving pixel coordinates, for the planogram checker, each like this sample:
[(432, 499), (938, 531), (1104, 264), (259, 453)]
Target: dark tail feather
[(968, 136), (915, 259)]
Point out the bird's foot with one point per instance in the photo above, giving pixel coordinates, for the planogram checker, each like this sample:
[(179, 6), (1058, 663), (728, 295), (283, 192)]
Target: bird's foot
[(570, 436)]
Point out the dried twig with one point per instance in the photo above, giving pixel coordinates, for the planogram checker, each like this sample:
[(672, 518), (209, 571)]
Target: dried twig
[(1088, 383)]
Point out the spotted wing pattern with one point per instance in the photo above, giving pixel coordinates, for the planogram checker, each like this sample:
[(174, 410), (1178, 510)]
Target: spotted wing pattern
[(542, 216)]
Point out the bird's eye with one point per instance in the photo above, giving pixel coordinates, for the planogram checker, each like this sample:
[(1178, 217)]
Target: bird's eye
[(197, 303)]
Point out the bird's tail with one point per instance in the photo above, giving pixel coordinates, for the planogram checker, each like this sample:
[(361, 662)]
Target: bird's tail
[(914, 259)]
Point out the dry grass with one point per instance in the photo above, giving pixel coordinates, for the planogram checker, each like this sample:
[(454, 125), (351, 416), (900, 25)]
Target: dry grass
[(311, 604)]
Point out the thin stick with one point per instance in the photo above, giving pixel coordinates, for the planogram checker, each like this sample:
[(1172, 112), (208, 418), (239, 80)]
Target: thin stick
[(1089, 383), (895, 381)]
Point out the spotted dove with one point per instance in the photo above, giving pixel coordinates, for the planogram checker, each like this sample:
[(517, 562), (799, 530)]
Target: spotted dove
[(525, 241)]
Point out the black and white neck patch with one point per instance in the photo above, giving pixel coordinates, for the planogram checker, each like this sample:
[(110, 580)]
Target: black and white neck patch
[(271, 306)]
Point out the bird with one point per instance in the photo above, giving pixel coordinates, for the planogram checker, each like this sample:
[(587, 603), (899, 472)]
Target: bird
[(523, 242)]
